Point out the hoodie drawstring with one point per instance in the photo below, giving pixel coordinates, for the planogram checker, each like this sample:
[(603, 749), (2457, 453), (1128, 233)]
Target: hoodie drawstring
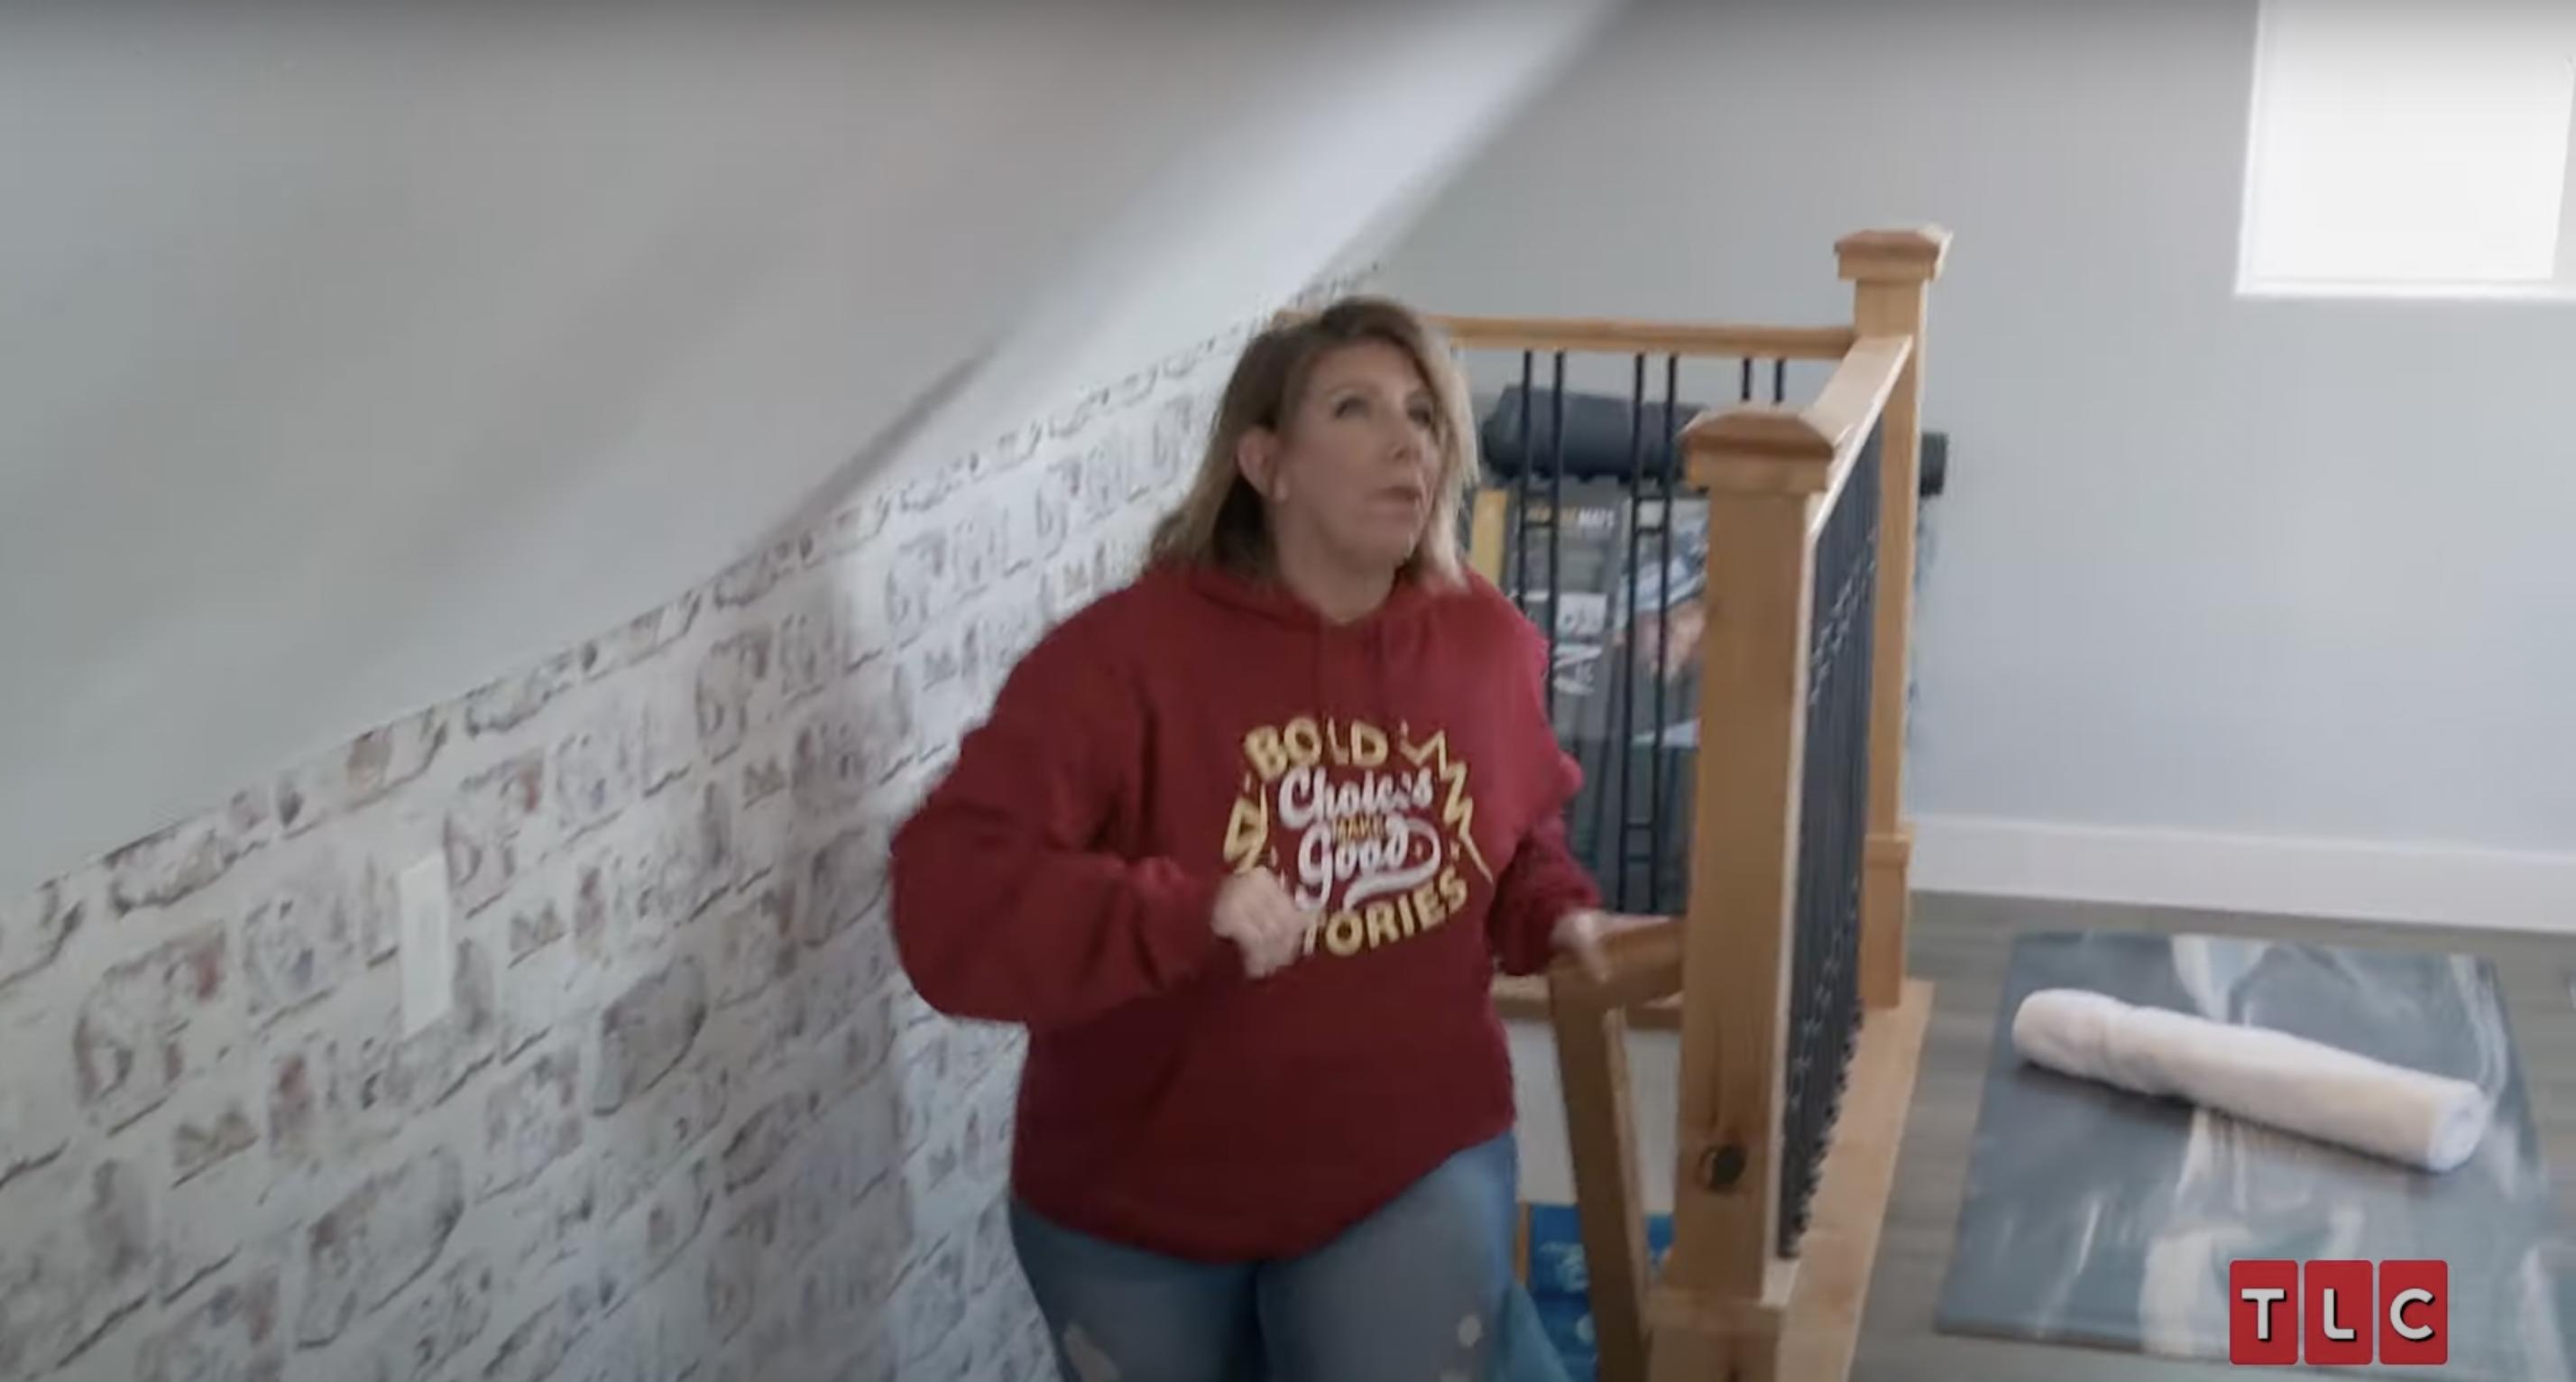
[(1378, 698), (1323, 652)]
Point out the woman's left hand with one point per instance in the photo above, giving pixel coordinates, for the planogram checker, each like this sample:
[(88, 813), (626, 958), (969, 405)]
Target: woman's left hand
[(1585, 934)]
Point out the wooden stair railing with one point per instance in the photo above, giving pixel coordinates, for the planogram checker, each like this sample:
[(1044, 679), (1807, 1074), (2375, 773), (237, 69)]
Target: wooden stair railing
[(1733, 1302)]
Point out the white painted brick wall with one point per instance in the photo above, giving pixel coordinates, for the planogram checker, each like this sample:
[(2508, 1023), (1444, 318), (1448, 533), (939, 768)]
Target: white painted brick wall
[(685, 1118)]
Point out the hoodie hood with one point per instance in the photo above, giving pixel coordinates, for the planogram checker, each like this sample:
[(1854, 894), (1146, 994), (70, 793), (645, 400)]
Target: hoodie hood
[(1352, 665), (1269, 599)]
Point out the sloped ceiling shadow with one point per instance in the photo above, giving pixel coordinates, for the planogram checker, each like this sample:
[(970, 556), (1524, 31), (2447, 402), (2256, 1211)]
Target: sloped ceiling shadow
[(348, 359)]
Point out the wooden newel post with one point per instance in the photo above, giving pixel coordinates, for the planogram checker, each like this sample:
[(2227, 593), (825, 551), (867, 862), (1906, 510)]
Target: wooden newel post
[(1891, 273), (1725, 1285)]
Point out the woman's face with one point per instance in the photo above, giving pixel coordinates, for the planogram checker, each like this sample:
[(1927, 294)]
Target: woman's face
[(1353, 470)]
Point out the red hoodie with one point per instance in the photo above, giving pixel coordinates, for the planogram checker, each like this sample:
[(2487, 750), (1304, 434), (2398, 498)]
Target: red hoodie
[(1399, 776)]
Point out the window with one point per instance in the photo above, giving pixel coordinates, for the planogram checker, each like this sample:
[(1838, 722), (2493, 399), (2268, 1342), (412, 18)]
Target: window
[(2411, 149)]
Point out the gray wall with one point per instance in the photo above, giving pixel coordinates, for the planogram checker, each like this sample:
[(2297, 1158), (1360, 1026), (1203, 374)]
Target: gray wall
[(2258, 569)]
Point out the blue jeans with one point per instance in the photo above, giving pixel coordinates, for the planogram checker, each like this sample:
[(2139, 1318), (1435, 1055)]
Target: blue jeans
[(1420, 1291)]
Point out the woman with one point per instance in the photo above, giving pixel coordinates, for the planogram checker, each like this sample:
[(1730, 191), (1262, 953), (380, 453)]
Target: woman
[(1242, 844)]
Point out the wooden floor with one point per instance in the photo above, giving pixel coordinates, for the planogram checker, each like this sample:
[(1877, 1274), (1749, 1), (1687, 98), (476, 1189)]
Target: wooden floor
[(1961, 944)]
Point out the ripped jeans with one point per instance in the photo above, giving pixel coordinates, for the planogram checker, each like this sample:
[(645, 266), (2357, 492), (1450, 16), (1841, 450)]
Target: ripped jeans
[(1420, 1291)]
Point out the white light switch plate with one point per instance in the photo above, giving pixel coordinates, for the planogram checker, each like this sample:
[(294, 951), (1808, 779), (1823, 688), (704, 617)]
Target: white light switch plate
[(428, 956)]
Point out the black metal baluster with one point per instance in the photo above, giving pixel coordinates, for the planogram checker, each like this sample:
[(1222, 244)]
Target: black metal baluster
[(1625, 609), (1824, 1001), (1555, 526), (1824, 903), (1793, 1117), (1802, 993), (1833, 867), (1865, 479), (1851, 713), (1670, 444), (1841, 872), (1521, 485)]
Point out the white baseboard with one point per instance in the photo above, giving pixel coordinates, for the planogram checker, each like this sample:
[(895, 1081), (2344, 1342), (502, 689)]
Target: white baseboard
[(2235, 873)]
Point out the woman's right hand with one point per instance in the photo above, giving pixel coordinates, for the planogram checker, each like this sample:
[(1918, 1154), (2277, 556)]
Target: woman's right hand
[(1255, 913)]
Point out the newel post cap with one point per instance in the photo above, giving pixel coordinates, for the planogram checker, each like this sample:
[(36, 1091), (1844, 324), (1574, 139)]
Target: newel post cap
[(1893, 256)]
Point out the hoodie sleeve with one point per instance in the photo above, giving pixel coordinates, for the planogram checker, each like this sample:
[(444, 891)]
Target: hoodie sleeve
[(1006, 906), (1544, 880)]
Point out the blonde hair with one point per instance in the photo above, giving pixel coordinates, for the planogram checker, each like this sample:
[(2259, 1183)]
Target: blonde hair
[(1222, 522)]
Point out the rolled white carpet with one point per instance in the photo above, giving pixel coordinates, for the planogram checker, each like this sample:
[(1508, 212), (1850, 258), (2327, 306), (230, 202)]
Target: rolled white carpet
[(2262, 1076)]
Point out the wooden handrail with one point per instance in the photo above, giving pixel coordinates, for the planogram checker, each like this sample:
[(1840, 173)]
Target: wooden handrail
[(1891, 273), (1645, 965), (1617, 336), (1527, 1000), (1743, 876), (1770, 449), (1628, 336), (1765, 469), (1600, 1118), (1645, 980), (1727, 1303)]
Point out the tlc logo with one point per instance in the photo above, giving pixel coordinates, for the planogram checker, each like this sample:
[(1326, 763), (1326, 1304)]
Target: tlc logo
[(2406, 1320)]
